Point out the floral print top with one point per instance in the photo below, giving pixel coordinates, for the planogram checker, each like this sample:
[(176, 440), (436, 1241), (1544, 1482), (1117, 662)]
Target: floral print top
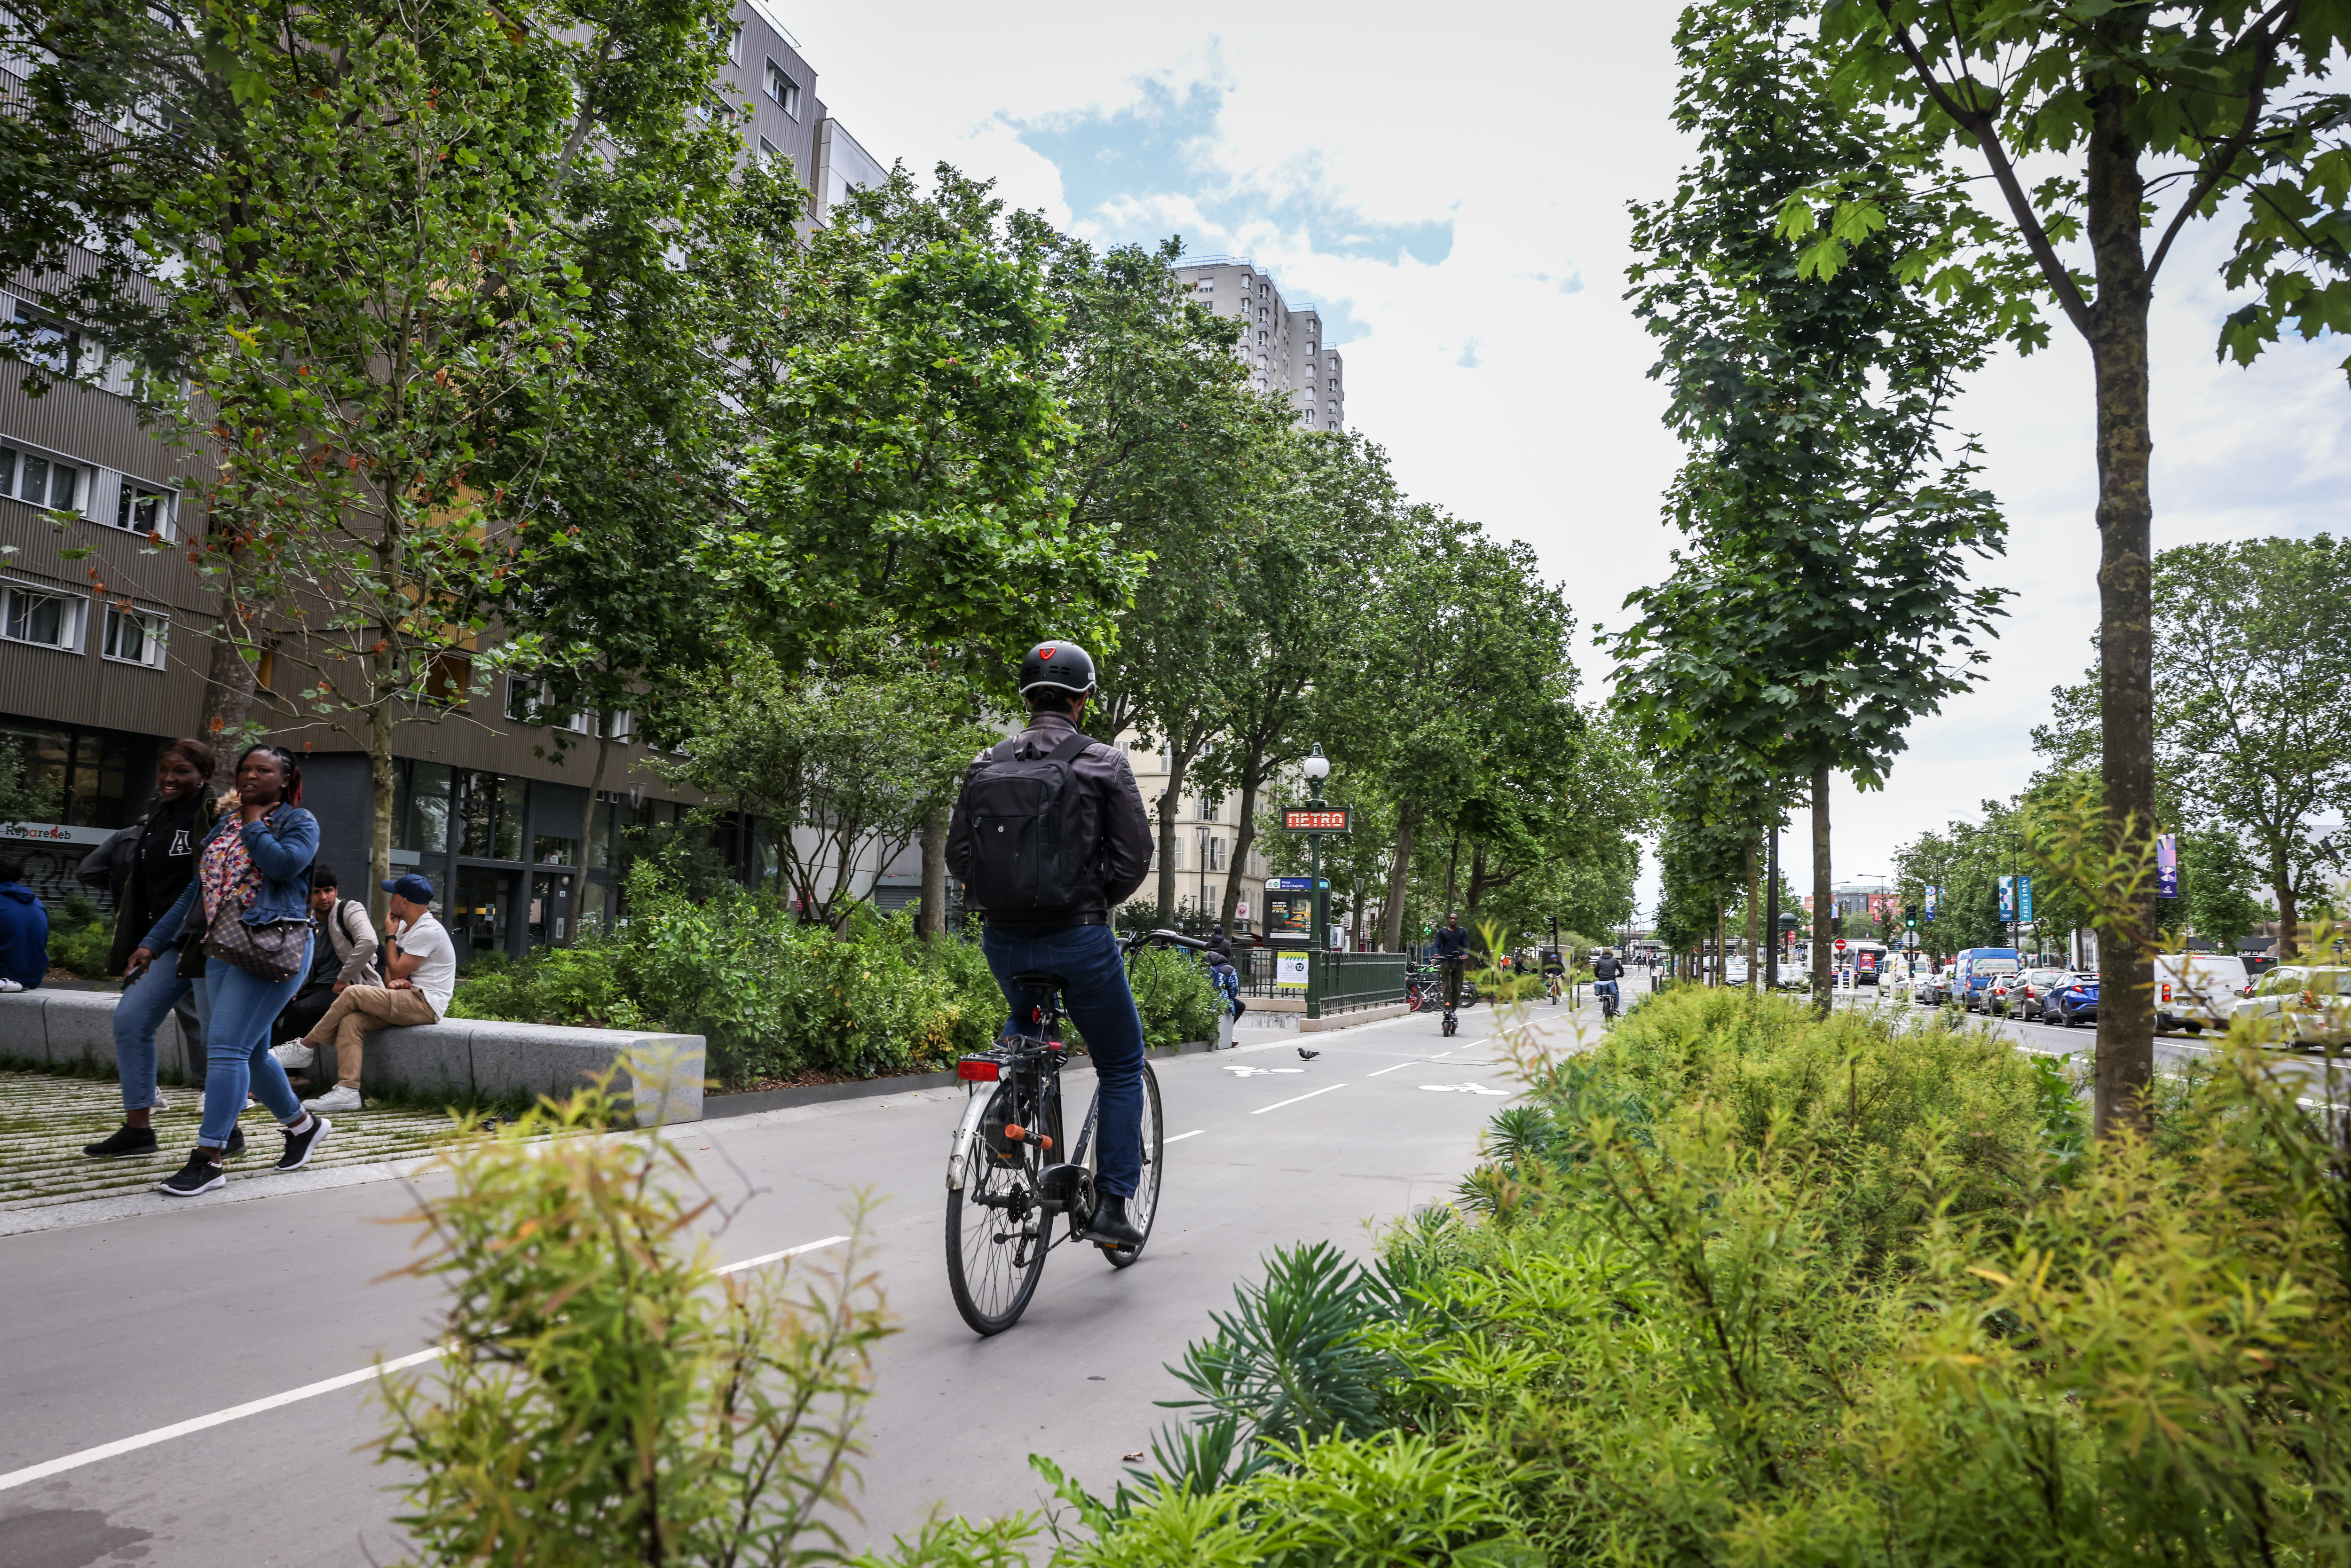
[(227, 873)]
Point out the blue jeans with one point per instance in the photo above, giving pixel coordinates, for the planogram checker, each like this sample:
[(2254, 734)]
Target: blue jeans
[(1094, 992), (240, 1006), (145, 1003)]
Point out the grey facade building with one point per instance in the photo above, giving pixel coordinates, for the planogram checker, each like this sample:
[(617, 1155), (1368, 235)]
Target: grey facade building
[(103, 655), (1283, 346)]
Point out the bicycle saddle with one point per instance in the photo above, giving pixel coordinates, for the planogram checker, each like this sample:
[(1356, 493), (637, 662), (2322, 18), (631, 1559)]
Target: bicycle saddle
[(1038, 981)]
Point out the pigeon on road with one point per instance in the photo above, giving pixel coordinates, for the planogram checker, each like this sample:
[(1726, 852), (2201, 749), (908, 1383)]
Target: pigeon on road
[(1306, 1055)]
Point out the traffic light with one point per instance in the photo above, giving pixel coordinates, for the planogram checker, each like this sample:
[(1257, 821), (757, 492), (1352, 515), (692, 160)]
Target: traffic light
[(1909, 917)]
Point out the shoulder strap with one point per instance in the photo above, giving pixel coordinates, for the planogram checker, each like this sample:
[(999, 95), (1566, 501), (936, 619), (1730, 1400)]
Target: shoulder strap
[(1072, 749)]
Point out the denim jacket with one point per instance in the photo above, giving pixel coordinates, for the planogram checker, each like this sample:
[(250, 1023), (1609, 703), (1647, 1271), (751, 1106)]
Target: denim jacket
[(283, 843)]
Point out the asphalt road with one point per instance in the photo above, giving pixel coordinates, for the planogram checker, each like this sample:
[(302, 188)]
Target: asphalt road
[(112, 1331)]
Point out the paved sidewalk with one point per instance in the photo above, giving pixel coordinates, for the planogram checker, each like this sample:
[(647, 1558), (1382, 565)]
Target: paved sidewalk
[(45, 1121)]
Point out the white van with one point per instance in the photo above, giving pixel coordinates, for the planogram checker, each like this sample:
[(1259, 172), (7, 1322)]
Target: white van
[(2196, 992)]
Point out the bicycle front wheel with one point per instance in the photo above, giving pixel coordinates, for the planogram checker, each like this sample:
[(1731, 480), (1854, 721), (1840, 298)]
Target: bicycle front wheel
[(1145, 1203), (998, 1233)]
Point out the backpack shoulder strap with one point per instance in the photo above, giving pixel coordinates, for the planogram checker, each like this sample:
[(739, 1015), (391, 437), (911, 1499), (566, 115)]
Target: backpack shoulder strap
[(1072, 749)]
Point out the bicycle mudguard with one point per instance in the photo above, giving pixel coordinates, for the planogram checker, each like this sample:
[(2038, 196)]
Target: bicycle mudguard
[(966, 1134)]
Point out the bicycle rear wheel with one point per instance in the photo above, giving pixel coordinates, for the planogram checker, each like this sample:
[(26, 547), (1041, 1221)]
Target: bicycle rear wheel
[(997, 1234), (1145, 1203)]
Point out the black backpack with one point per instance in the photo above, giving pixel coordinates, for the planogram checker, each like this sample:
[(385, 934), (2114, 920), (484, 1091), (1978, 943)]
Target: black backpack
[(1019, 810)]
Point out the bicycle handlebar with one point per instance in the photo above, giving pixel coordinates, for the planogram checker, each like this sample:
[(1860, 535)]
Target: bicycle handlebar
[(1175, 938)]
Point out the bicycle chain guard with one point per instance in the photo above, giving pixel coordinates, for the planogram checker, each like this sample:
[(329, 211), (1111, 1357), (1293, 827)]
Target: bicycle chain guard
[(1070, 1188)]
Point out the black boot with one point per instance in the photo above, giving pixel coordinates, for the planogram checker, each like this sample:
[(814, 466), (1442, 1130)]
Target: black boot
[(1109, 1226)]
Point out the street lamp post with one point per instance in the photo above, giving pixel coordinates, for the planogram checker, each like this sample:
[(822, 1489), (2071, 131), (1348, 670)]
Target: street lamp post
[(1316, 768)]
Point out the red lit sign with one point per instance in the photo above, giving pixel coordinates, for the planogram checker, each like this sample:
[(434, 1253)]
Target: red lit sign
[(1315, 819)]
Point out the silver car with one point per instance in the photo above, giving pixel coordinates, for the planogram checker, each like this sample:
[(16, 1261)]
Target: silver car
[(2302, 1007)]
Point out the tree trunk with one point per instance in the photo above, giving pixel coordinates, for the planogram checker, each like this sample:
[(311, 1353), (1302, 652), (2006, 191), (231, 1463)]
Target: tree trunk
[(931, 917), (1170, 808), (1772, 913), (228, 700), (1399, 878), (1721, 935), (1244, 835), (1452, 865), (2288, 913), (1823, 902), (587, 833), (381, 787), (1476, 880), (2116, 191), (1754, 902)]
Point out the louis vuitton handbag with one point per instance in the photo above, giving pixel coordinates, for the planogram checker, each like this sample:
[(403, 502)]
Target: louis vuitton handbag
[(275, 951)]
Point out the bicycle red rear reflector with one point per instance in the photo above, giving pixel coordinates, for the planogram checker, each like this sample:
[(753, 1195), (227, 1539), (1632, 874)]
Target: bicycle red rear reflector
[(976, 1071)]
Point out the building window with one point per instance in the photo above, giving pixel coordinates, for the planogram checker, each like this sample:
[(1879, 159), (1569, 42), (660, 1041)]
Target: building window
[(44, 340), (136, 637), (44, 481), (783, 89), (143, 510), (735, 44), (529, 701), (769, 154), (44, 620)]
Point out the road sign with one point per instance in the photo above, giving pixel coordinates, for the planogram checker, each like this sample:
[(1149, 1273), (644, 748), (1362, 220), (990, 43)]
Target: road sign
[(1840, 944), (1316, 818), (1288, 883)]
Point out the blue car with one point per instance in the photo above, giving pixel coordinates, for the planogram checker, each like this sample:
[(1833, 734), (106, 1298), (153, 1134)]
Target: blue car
[(2073, 998)]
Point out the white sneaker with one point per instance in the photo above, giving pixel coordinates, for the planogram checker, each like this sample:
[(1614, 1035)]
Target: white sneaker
[(341, 1097), (295, 1054), (8, 984)]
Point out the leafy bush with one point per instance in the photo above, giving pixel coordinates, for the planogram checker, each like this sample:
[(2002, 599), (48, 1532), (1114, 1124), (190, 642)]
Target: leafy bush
[(1173, 994), (1753, 1288), (80, 938), (580, 985)]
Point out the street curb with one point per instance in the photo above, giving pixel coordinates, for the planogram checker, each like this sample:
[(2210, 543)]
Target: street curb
[(758, 1100)]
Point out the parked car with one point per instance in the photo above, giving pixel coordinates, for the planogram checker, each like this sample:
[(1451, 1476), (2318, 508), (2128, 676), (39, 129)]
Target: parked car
[(2030, 999), (2073, 998), (2302, 1007), (1934, 988), (2196, 992)]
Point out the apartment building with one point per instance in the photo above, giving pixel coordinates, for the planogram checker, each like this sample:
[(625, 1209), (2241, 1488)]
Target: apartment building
[(1207, 834), (103, 653), (1283, 346)]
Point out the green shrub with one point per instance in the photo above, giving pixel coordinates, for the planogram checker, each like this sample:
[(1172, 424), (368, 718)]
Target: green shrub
[(577, 985), (80, 938), (1749, 1286), (1173, 994)]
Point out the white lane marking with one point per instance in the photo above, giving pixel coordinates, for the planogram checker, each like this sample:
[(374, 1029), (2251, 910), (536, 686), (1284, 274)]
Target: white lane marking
[(1399, 1067), (1238, 1070), (42, 1472), (1280, 1103), (1181, 1136), (1463, 1089)]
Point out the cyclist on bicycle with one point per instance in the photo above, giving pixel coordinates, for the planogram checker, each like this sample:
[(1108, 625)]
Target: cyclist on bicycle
[(1606, 970), (1554, 972), (1452, 957), (1048, 881)]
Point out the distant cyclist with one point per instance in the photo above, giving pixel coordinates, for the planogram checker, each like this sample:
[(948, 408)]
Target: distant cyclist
[(1050, 835), (1606, 970), (1452, 959), (1554, 972)]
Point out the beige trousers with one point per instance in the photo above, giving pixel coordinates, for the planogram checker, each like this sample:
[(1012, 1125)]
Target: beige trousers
[(360, 1009)]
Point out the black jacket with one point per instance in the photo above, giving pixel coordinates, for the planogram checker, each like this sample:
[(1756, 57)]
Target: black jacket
[(1453, 942), (1606, 970), (1109, 814), (169, 842)]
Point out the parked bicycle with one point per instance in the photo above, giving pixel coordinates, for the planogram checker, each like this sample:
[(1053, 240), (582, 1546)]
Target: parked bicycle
[(1013, 1177)]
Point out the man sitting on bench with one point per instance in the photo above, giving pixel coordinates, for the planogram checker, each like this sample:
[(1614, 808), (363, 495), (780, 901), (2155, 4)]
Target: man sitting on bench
[(420, 970)]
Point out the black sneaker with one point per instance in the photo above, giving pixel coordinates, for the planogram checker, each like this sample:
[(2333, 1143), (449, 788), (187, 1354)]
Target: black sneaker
[(124, 1140), (298, 1145), (199, 1175), (235, 1142)]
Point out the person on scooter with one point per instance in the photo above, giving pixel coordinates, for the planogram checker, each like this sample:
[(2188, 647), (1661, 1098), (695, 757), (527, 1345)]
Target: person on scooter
[(1453, 958), (1606, 970)]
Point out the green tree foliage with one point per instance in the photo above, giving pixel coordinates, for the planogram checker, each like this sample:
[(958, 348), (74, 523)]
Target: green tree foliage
[(908, 459), (605, 1394), (24, 795), (845, 759), (2145, 118), (1819, 611)]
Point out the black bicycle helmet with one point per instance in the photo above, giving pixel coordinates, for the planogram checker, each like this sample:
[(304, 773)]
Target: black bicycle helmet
[(1057, 667)]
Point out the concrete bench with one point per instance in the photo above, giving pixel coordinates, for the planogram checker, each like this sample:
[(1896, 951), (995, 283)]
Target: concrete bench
[(662, 1078)]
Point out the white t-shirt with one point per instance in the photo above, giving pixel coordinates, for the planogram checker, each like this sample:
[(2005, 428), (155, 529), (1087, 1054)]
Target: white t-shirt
[(437, 977)]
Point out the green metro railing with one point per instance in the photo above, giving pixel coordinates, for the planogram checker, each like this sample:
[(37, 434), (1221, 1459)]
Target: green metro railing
[(1350, 982)]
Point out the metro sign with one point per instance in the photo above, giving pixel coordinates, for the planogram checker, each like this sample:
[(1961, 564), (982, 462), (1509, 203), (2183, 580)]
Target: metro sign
[(1316, 820)]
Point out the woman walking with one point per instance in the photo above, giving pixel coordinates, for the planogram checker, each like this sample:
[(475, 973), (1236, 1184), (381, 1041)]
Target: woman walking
[(156, 980), (247, 908)]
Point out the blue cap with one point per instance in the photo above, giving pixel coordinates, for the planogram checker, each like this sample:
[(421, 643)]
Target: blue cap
[(411, 887)]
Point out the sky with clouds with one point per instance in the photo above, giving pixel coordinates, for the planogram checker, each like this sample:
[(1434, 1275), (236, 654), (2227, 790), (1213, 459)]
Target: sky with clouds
[(1448, 186)]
